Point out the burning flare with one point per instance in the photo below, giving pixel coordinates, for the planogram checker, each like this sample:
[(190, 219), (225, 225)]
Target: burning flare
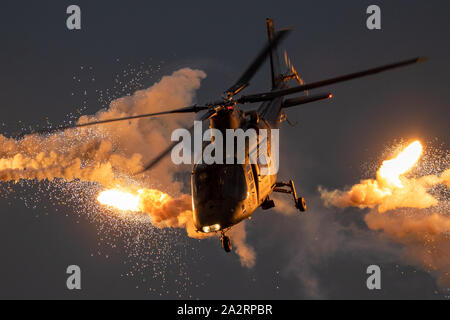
[(409, 210), (390, 190), (121, 200), (139, 201), (391, 170)]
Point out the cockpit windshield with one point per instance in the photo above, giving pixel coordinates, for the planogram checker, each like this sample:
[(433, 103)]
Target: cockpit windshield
[(219, 181)]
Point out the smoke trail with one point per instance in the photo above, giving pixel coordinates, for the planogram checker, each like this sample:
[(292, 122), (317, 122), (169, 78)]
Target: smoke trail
[(372, 193), (110, 153), (246, 253), (412, 211), (426, 237), (170, 212)]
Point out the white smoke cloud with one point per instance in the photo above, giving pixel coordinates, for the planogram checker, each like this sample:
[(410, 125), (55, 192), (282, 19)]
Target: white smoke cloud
[(246, 253), (411, 213), (107, 152), (110, 154)]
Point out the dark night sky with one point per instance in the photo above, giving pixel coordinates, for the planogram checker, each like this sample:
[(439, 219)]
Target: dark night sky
[(311, 256)]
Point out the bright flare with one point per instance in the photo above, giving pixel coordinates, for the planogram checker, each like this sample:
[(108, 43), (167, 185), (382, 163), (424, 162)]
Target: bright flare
[(121, 200), (391, 170), (145, 200)]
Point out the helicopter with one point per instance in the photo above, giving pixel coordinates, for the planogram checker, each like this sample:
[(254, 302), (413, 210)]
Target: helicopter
[(224, 195)]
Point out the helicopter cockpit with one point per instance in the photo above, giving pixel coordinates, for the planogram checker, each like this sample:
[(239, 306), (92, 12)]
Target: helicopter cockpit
[(219, 191)]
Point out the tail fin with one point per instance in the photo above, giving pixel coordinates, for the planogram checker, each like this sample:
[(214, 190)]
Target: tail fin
[(275, 68)]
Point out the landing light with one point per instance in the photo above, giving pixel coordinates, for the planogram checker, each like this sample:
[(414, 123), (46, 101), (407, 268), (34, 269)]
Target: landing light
[(212, 228)]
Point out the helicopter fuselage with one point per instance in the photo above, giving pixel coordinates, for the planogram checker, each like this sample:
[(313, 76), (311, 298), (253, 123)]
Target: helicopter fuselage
[(225, 194)]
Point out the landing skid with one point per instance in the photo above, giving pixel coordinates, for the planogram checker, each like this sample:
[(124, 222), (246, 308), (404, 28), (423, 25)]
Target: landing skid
[(267, 204), (300, 203)]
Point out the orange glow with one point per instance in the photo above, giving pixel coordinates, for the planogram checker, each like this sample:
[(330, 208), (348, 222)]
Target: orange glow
[(391, 170), (118, 199), (140, 201)]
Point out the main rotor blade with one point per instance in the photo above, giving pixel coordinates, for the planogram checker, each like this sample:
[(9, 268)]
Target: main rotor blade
[(243, 81), (207, 115), (288, 103), (278, 93), (163, 154), (189, 109)]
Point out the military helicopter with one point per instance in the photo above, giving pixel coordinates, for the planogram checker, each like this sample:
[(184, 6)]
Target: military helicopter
[(225, 194)]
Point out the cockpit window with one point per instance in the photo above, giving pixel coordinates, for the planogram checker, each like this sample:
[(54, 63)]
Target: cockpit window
[(219, 182)]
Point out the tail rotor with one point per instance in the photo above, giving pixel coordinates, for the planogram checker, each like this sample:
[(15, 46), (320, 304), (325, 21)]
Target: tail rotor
[(291, 72)]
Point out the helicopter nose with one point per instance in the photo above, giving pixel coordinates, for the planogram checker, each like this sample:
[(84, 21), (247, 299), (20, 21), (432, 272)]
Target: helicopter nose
[(212, 213)]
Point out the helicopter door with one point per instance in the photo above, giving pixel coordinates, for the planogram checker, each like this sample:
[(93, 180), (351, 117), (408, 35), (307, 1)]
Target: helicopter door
[(266, 183), (253, 187), (261, 183)]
